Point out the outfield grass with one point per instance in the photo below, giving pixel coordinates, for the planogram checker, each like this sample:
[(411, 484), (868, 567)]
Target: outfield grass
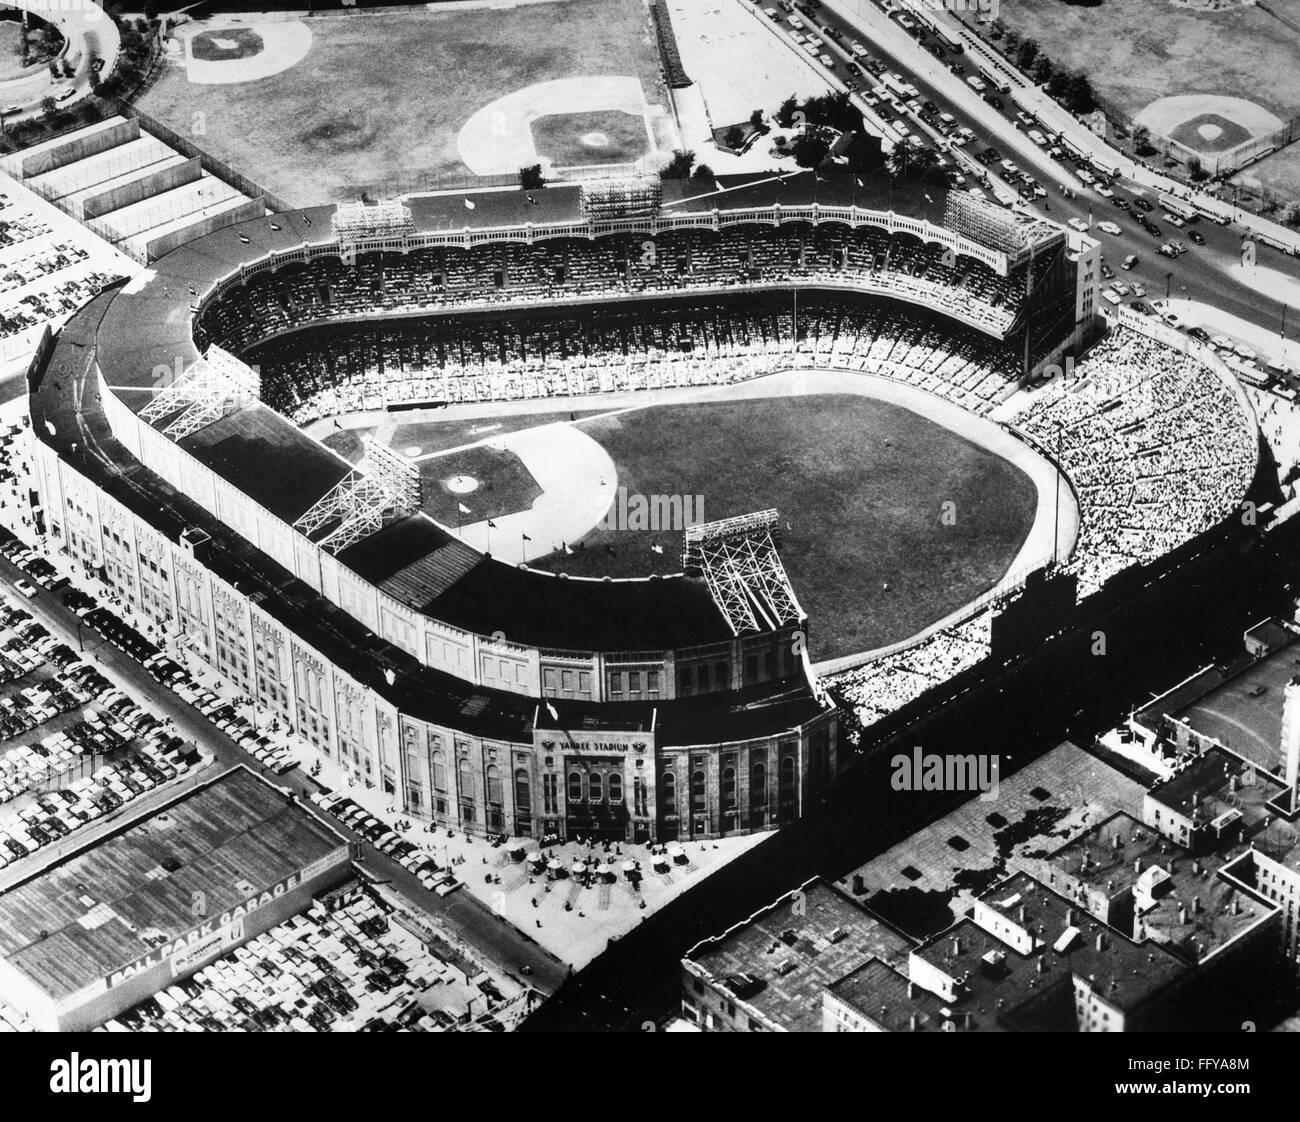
[(1135, 51), (381, 97), (862, 512)]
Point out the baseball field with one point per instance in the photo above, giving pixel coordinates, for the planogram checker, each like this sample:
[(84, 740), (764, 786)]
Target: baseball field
[(324, 108)]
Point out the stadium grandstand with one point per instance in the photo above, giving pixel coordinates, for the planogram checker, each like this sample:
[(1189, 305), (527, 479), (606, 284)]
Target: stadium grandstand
[(503, 699)]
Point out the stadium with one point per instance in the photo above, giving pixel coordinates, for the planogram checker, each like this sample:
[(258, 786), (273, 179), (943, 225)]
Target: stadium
[(527, 689)]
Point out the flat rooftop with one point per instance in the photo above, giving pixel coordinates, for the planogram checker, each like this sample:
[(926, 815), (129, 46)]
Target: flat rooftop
[(794, 948), (109, 905)]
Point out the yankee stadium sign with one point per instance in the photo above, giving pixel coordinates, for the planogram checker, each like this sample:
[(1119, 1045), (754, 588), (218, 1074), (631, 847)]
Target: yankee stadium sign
[(208, 938)]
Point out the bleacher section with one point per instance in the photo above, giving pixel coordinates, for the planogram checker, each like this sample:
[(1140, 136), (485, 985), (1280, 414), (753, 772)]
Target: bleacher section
[(1158, 449), (130, 188), (440, 278)]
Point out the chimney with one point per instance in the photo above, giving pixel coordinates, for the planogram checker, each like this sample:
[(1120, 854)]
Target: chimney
[(911, 1023), (1196, 905), (1236, 905), (1116, 841), (1101, 940), (956, 945), (1069, 916), (1040, 966), (1021, 915), (1182, 913), (1137, 864), (911, 990)]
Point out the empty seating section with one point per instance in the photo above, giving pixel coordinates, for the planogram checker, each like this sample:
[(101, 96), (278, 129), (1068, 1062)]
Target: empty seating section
[(649, 346)]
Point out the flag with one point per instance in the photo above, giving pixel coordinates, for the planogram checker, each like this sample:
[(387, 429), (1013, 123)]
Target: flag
[(861, 184), (927, 197), (274, 226), (469, 205), (555, 716), (390, 677), (657, 547), (532, 200), (567, 550), (463, 508), (306, 220), (245, 238), (192, 291), (526, 537)]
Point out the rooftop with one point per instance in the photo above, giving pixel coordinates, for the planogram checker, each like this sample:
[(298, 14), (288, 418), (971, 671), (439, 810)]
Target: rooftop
[(105, 907), (780, 959)]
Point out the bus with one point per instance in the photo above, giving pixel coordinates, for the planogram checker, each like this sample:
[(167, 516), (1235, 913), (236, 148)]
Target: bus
[(1180, 208)]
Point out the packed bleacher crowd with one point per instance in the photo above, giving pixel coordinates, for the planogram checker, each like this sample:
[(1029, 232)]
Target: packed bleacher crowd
[(486, 276), (1158, 448), (611, 349)]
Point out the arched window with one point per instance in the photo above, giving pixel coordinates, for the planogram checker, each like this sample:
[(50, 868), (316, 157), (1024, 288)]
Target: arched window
[(787, 778), (464, 779), (595, 787), (668, 792), (575, 786), (697, 790), (758, 785), (523, 798), (439, 771), (616, 788), (729, 788), (494, 797)]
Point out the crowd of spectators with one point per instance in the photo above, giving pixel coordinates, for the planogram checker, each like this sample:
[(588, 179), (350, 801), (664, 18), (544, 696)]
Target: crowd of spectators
[(435, 279), (1158, 448), (620, 349)]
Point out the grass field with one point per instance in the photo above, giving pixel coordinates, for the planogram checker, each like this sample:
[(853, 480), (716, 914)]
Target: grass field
[(1135, 51), (862, 512), (380, 97), (567, 138), (506, 485)]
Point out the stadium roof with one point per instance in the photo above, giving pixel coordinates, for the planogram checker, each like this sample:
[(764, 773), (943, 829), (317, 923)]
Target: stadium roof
[(115, 901)]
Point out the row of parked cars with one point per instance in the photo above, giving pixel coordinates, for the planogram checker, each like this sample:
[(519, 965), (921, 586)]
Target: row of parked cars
[(347, 970), (167, 671), (405, 853)]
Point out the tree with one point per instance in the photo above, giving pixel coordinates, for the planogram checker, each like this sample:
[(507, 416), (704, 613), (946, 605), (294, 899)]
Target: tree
[(1079, 97), (756, 121), (531, 178), (810, 149), (53, 64), (1194, 167), (703, 175), (49, 107), (1011, 39), (1290, 214), (785, 114), (1027, 53), (1142, 140), (679, 167), (997, 28), (734, 137), (1043, 70)]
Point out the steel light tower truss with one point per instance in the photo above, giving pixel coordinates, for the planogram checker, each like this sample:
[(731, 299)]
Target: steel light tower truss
[(739, 561), (203, 393), (383, 482)]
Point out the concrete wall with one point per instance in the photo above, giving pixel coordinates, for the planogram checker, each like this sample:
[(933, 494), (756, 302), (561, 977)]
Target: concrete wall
[(146, 187), (165, 243), (79, 147)]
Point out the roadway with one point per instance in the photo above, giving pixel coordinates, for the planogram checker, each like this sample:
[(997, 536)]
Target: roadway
[(1201, 274), (465, 918)]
